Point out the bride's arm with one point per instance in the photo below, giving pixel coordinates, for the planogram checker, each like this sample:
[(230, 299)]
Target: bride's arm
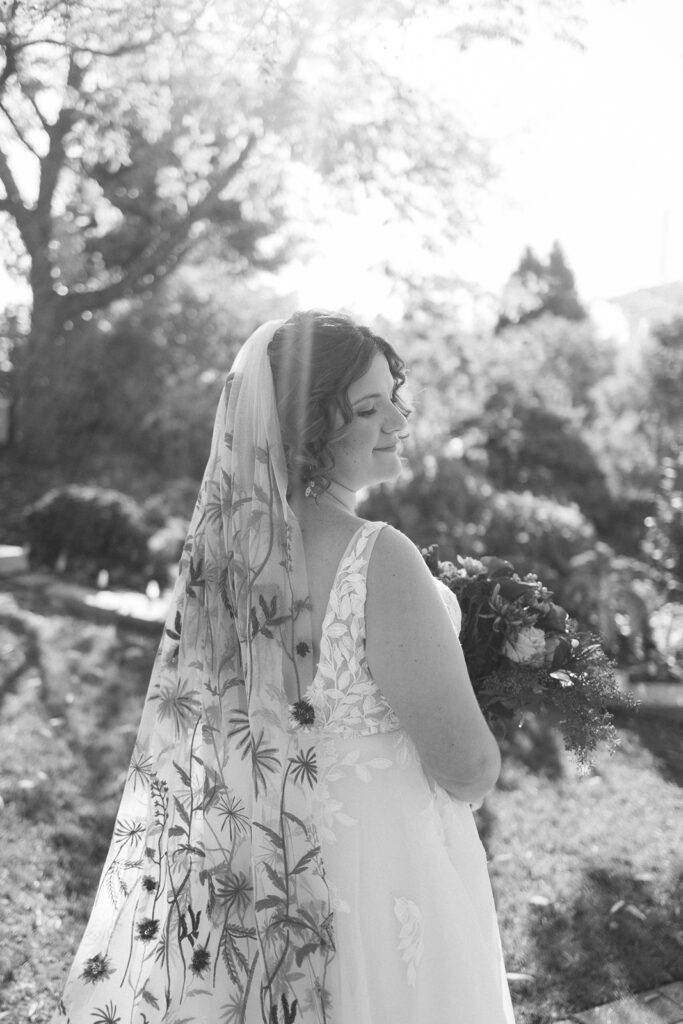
[(415, 658)]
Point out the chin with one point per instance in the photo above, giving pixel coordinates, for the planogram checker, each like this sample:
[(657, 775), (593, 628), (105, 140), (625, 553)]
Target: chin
[(389, 476)]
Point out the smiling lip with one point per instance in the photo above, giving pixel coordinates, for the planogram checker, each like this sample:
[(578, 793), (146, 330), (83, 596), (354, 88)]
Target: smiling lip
[(389, 448)]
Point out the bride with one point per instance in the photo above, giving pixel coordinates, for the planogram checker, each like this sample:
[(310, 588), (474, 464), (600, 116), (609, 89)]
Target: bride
[(295, 841)]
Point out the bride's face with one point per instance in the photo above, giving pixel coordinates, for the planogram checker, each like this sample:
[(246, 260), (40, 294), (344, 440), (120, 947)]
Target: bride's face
[(368, 452)]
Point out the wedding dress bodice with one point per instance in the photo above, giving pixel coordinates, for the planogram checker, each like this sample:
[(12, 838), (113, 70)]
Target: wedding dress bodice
[(346, 699)]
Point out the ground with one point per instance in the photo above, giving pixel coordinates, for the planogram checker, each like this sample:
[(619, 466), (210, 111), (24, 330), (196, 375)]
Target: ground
[(587, 870)]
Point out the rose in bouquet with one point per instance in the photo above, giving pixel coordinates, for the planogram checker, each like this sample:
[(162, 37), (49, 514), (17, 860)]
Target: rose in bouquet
[(524, 653)]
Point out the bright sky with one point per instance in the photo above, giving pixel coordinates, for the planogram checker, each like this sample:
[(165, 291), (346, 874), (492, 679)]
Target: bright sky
[(590, 150)]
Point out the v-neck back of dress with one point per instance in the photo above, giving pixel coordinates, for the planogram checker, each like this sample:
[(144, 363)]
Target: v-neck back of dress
[(343, 693), (414, 923)]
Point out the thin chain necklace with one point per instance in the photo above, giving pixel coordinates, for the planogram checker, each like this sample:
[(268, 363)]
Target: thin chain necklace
[(340, 501)]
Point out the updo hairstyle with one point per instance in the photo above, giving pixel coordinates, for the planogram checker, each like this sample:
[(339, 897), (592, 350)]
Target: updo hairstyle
[(315, 356)]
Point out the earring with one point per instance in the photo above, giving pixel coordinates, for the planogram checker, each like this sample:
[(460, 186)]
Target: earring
[(314, 484)]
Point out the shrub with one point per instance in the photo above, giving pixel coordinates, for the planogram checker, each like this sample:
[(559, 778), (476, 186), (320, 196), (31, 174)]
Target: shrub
[(447, 504), (175, 498), (85, 529), (537, 534), (531, 448)]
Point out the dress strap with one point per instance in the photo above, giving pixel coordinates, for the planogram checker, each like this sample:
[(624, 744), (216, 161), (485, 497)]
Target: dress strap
[(355, 559), (372, 531), (361, 544)]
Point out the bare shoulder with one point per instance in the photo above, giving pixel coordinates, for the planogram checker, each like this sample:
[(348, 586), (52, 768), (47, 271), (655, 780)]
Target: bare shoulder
[(401, 594), (392, 543), (396, 559)]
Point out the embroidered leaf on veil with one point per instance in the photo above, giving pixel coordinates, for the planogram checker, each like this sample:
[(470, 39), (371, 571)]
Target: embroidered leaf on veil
[(275, 878), (174, 633), (201, 884), (303, 863), (272, 835), (267, 902)]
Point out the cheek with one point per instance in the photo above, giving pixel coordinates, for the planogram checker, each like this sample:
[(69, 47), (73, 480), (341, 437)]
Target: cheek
[(361, 438), (357, 442)]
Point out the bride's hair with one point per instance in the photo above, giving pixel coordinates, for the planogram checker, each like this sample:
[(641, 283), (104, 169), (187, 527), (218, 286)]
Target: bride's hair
[(315, 356)]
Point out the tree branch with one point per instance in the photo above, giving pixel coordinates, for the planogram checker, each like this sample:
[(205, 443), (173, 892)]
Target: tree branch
[(154, 264), (39, 114), (10, 64), (131, 46), (155, 261), (25, 43), (20, 135), (222, 180), (13, 202), (122, 50), (53, 161)]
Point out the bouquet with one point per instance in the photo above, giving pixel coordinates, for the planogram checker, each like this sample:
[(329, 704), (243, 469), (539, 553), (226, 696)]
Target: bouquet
[(524, 653)]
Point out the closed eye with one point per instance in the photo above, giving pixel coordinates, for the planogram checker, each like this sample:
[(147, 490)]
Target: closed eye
[(393, 398), (398, 401)]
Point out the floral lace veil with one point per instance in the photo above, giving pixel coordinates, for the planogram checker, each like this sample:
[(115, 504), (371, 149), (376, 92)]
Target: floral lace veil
[(213, 903)]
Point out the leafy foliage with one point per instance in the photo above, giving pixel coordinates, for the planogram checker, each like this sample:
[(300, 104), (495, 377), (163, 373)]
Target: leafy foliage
[(451, 505), (534, 448), (144, 163), (88, 529), (663, 541)]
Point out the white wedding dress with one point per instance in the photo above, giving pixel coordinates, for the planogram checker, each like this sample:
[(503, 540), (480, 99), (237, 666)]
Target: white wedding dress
[(413, 923), (415, 926)]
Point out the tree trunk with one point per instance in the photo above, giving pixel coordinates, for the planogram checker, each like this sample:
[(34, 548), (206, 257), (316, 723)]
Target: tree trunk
[(37, 376)]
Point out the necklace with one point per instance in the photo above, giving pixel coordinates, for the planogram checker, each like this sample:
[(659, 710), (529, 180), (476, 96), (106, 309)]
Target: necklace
[(347, 500)]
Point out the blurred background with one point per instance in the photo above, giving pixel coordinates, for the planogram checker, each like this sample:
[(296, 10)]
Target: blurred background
[(494, 187)]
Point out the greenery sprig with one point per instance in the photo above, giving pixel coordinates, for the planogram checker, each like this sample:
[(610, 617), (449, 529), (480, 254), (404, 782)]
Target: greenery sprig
[(524, 654)]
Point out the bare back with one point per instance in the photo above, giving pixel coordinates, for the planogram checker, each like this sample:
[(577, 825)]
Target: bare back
[(325, 538), (413, 652)]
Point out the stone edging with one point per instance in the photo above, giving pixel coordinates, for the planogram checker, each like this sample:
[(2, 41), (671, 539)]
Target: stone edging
[(663, 1005), (104, 607)]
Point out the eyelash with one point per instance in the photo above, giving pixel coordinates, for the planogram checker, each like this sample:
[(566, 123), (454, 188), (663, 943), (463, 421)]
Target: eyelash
[(371, 412)]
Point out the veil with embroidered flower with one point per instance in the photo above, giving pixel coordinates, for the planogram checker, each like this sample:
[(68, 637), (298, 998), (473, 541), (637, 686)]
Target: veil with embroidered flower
[(282, 853), (212, 905)]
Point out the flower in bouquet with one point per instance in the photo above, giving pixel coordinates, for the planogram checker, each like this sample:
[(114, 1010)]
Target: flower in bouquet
[(528, 647), (524, 653)]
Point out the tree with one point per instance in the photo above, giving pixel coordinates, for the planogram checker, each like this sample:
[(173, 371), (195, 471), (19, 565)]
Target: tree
[(155, 130), (663, 357), (136, 396), (663, 542), (125, 186), (538, 287)]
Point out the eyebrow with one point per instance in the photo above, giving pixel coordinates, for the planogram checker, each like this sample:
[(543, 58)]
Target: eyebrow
[(365, 398), (375, 394)]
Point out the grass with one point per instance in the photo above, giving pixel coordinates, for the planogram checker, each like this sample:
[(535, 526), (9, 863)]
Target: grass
[(587, 870), (70, 695)]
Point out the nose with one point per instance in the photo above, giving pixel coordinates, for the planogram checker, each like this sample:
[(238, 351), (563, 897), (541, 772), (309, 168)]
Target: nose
[(395, 422)]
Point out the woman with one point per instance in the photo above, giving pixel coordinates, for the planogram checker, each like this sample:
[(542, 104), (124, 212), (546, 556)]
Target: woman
[(295, 841)]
